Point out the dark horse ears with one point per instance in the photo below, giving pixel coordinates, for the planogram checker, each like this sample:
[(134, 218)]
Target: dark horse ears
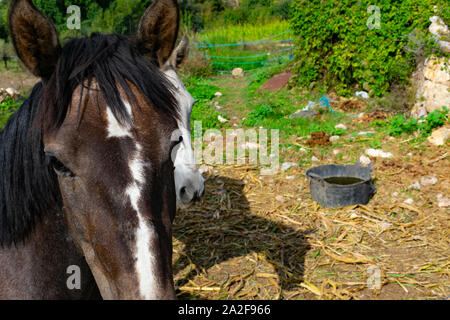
[(158, 30), (34, 38)]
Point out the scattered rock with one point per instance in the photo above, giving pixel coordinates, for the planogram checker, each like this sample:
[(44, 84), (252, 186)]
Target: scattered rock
[(334, 138), (438, 28), (364, 161), (336, 152), (315, 159), (290, 177), (341, 126), (218, 107), (302, 150), (222, 119), (238, 73), (409, 201), (385, 225), (439, 136), (363, 133), (443, 202), (362, 94), (9, 92), (377, 153), (279, 198), (287, 165), (427, 181), (319, 139), (218, 94), (414, 186), (395, 194)]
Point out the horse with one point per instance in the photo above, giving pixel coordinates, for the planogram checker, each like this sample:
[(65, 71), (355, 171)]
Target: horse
[(87, 176)]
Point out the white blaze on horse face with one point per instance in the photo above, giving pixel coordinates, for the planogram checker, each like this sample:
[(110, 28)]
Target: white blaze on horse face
[(145, 233), (115, 129), (187, 175)]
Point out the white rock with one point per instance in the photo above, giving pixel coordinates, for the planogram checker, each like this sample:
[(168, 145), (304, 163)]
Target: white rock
[(12, 91), (362, 133), (287, 165), (432, 87), (443, 202), (315, 159), (414, 186), (353, 216), (341, 126), (427, 181), (364, 161), (222, 119), (395, 194), (410, 154), (362, 94), (377, 153), (279, 198), (439, 136), (218, 107), (361, 115), (290, 177), (385, 225), (302, 150), (437, 27), (334, 138), (409, 201), (238, 73), (218, 94), (336, 152)]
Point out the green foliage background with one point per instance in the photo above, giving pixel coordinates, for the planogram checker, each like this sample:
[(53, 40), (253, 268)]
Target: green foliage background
[(337, 49)]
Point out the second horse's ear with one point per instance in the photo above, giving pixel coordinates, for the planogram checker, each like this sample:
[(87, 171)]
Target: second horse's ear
[(158, 30), (34, 37), (181, 53)]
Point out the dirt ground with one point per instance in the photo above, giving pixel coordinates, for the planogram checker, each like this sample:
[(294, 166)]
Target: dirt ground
[(262, 237)]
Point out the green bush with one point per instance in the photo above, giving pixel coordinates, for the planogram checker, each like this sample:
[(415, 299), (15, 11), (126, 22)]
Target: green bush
[(398, 125), (336, 48)]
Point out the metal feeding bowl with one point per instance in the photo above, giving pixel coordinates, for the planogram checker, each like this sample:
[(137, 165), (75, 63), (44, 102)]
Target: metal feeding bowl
[(334, 186)]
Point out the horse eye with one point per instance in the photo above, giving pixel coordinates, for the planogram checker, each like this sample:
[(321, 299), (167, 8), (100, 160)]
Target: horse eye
[(60, 168)]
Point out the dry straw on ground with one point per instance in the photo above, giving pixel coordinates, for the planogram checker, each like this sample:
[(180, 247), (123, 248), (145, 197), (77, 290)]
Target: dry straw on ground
[(256, 237)]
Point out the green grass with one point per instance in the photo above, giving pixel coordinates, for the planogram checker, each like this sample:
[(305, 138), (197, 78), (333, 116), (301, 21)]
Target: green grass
[(7, 108), (248, 57), (203, 93)]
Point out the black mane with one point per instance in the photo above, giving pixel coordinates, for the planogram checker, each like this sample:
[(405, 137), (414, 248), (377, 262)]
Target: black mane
[(28, 185)]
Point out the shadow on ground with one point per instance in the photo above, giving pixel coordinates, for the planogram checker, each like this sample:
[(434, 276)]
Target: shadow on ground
[(222, 227)]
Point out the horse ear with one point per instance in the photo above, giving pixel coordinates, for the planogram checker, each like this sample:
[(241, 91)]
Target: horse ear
[(158, 30), (181, 53), (34, 37)]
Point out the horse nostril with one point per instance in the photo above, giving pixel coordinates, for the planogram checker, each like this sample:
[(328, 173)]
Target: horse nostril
[(183, 191), (196, 198)]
